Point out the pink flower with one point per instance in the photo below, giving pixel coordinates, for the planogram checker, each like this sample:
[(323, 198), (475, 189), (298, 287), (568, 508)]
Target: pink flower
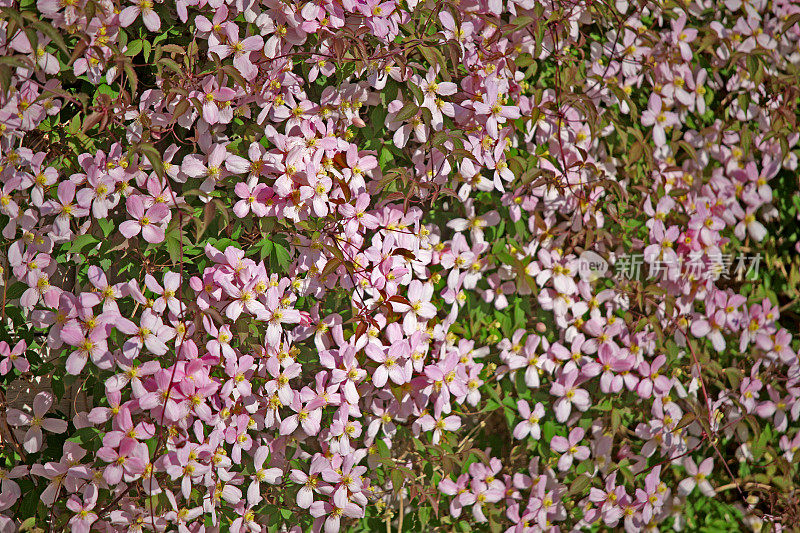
[(432, 90), (419, 306), (240, 50), (530, 424), (394, 363), (657, 116), (651, 380), (329, 513), (460, 490), (145, 8), (344, 475), (13, 358), (565, 387), (152, 334), (697, 477), (251, 199), (84, 517), (129, 459), (276, 315), (682, 36), (211, 114), (87, 344), (569, 449), (262, 475), (220, 163), (609, 499), (32, 442), (308, 417), (439, 424), (485, 493), (493, 106), (167, 295), (311, 482), (475, 223), (65, 208), (711, 327), (149, 222)]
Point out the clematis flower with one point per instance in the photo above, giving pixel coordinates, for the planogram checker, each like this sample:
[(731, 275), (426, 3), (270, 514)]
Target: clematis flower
[(151, 333), (240, 49), (262, 475), (13, 357), (311, 482), (84, 516), (128, 459), (328, 513), (439, 424), (394, 363), (92, 345), (659, 118), (565, 388), (149, 222), (33, 439), (144, 8), (697, 477), (569, 449), (166, 295), (530, 424), (307, 416), (459, 489), (494, 107), (419, 306)]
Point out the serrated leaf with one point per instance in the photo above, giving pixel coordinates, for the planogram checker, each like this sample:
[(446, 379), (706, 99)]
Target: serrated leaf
[(408, 111), (580, 485), (133, 48), (133, 80), (282, 256), (170, 64), (74, 125), (687, 419), (5, 78), (80, 242), (16, 61), (397, 480), (152, 155)]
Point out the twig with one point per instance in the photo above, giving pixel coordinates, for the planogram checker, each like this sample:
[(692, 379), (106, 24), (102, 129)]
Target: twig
[(400, 518), (749, 484), (5, 290)]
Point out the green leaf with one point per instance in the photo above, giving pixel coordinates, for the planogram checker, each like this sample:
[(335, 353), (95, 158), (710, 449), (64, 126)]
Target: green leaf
[(759, 446), (408, 111), (133, 80), (580, 485), (5, 78), (435, 57), (282, 256), (616, 420), (134, 48), (397, 480), (170, 64), (424, 514), (146, 49), (548, 431), (17, 61), (152, 155), (265, 248), (28, 524), (386, 157), (82, 241)]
